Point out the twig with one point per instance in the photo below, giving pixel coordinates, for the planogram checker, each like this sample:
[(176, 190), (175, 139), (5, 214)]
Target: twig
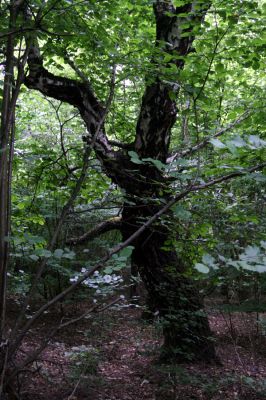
[(206, 141), (63, 215), (71, 396), (33, 356), (60, 223), (76, 69)]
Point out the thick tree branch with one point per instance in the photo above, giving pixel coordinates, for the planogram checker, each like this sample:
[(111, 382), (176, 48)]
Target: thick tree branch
[(103, 227), (79, 94), (174, 37)]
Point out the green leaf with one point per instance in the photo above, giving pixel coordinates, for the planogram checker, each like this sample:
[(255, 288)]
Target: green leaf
[(260, 268), (208, 259), (233, 263), (202, 268), (179, 3), (238, 142), (252, 251), (263, 244), (219, 68), (70, 255), (21, 205), (182, 213), (126, 252), (108, 270), (256, 142), (157, 163), (58, 253), (134, 157), (217, 143), (45, 253), (245, 265)]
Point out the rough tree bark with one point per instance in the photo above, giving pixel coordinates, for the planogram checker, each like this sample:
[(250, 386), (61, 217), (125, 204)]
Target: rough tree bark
[(186, 329)]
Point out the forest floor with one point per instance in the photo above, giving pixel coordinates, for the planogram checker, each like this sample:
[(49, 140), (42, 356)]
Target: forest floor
[(113, 356)]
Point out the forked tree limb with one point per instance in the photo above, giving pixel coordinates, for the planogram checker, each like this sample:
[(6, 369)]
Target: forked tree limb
[(174, 36)]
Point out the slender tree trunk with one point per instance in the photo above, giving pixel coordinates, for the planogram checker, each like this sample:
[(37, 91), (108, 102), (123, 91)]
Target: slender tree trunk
[(7, 117)]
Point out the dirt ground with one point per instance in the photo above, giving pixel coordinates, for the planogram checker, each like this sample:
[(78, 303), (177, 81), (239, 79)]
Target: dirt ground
[(114, 356)]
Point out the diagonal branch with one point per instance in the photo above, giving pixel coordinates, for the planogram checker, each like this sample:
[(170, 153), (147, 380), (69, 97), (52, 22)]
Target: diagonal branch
[(206, 141), (122, 245), (103, 227), (227, 177), (79, 73), (33, 356)]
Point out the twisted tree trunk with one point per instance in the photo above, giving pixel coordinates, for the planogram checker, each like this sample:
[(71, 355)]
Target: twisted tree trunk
[(173, 296), (186, 330)]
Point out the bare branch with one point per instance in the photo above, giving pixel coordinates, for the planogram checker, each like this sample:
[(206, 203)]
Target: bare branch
[(127, 242), (103, 227), (206, 141), (22, 30), (228, 177), (79, 73), (35, 354)]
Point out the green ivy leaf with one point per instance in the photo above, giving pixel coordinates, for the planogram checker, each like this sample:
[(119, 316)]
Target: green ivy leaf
[(45, 253)]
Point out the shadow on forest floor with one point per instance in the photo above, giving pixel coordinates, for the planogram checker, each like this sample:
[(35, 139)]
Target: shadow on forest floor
[(112, 356)]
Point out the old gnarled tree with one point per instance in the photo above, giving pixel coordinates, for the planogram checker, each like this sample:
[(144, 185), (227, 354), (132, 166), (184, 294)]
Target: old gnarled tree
[(186, 329)]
